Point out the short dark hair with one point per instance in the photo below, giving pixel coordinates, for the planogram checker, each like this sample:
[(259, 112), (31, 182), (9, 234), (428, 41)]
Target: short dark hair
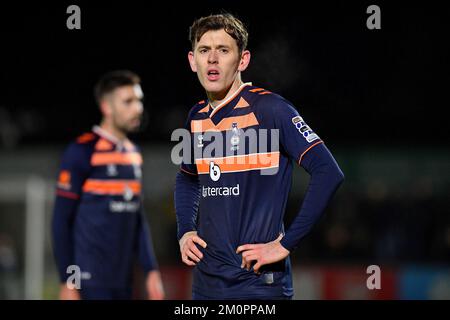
[(232, 25), (113, 80)]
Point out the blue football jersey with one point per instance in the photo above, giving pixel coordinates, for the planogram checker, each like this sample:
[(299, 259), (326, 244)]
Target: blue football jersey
[(99, 224), (242, 152)]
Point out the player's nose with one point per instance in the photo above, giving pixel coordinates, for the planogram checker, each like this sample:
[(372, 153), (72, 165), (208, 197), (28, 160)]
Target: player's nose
[(138, 108), (212, 57)]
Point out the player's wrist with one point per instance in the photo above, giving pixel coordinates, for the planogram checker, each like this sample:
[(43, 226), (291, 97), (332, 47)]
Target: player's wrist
[(283, 244), (186, 236)]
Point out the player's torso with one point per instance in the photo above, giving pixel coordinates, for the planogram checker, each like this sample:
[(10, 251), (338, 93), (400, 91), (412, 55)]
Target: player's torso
[(111, 195), (106, 221), (242, 175)]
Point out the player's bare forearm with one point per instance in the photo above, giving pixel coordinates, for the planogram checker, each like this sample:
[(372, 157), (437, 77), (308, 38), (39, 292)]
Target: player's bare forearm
[(190, 254), (262, 253)]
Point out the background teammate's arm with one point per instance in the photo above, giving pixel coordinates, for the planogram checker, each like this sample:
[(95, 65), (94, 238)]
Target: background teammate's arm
[(73, 172), (148, 260), (64, 214)]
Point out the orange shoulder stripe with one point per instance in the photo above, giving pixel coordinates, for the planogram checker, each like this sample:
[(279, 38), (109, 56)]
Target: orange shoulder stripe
[(256, 90), (242, 103), (103, 145), (205, 109), (86, 137)]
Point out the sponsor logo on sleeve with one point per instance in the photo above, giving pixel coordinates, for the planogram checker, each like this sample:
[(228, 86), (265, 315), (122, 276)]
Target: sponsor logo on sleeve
[(64, 180), (306, 132)]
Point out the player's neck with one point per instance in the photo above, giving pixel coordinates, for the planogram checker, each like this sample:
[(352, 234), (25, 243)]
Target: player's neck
[(216, 99), (113, 131)]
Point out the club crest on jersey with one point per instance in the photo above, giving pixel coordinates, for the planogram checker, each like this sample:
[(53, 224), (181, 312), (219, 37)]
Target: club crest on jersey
[(127, 193), (200, 141), (235, 137), (111, 170), (304, 129), (64, 180)]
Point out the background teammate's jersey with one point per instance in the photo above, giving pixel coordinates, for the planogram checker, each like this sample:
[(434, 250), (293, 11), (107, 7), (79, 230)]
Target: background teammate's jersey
[(244, 189), (98, 222)]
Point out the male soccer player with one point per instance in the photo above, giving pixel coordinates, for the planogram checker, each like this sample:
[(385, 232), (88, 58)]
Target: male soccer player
[(230, 203), (99, 225)]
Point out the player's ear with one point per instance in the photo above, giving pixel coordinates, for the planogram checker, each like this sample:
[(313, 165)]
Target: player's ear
[(192, 61), (245, 60), (105, 107)]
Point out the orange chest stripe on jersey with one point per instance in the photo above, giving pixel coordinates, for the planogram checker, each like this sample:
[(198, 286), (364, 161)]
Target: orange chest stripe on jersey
[(105, 158), (242, 122), (255, 161), (112, 187)]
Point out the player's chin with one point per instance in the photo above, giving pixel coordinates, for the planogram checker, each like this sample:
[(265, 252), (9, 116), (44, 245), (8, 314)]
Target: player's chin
[(133, 127), (213, 86)]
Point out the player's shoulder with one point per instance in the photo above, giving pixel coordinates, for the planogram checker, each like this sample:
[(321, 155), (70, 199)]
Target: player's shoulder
[(86, 139), (131, 146), (83, 145), (263, 100), (199, 109)]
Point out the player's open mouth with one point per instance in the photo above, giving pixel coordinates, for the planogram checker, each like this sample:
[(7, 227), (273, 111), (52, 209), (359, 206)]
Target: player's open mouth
[(213, 75)]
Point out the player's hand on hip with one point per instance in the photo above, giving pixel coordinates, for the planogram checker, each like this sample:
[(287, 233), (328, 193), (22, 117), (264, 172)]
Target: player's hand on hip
[(155, 289), (190, 254), (262, 253), (65, 293)]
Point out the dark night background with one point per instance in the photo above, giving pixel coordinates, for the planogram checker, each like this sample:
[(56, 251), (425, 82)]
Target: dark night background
[(383, 87), (378, 98)]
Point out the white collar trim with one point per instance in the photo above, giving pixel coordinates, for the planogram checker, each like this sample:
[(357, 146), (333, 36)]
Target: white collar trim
[(231, 97)]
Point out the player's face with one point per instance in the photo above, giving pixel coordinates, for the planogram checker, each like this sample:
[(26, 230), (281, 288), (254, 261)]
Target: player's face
[(126, 108), (217, 61)]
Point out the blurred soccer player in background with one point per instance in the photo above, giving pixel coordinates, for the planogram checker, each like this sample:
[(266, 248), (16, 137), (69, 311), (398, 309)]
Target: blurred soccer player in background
[(99, 223), (230, 214)]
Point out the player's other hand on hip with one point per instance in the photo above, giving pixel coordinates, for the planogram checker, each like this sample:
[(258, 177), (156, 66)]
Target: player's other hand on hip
[(190, 254), (262, 253), (155, 289), (65, 293)]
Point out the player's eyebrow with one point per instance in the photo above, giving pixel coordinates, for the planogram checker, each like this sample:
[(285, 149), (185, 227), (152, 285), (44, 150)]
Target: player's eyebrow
[(131, 99), (220, 46), (203, 46)]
